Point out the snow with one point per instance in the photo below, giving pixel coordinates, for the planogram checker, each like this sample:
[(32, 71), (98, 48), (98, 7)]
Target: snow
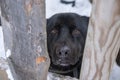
[(3, 57), (2, 50), (115, 74), (82, 7), (53, 76)]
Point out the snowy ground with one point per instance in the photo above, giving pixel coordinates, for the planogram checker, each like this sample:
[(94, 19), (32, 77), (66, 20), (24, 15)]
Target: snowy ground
[(82, 7)]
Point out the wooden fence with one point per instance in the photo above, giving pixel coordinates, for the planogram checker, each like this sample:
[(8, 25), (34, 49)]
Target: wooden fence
[(25, 36)]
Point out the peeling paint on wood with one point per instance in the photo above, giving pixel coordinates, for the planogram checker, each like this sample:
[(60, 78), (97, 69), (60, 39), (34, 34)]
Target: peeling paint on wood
[(40, 60)]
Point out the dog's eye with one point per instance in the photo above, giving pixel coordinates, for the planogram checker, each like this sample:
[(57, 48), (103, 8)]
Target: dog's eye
[(75, 32), (54, 31)]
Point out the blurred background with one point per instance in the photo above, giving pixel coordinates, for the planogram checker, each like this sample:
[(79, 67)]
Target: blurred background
[(81, 7)]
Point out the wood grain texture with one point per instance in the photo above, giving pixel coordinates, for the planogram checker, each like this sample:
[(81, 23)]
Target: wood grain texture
[(103, 40), (26, 37)]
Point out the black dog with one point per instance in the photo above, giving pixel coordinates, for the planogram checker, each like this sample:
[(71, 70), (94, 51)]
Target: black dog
[(66, 34)]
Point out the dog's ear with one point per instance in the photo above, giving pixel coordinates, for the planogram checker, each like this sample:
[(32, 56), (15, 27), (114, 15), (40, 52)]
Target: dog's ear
[(85, 19), (47, 21), (118, 58), (47, 24), (0, 21), (85, 23)]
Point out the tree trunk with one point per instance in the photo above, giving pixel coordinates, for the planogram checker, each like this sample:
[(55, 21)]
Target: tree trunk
[(103, 40), (24, 31)]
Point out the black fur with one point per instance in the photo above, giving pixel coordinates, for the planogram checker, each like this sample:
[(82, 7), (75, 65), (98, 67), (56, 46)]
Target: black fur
[(118, 58), (66, 34), (0, 21)]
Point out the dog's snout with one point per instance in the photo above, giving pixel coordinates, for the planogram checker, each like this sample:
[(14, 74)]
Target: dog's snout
[(63, 51)]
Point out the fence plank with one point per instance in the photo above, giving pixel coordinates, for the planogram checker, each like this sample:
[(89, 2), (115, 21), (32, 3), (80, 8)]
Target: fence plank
[(26, 37), (103, 40)]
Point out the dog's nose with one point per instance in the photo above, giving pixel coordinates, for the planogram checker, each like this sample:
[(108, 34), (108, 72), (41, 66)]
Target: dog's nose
[(63, 51)]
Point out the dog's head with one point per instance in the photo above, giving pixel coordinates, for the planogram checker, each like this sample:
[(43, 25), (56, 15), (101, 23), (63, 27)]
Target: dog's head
[(66, 33)]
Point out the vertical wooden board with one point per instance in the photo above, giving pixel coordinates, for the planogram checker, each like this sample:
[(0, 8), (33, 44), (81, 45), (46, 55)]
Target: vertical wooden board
[(103, 40), (28, 37), (3, 75)]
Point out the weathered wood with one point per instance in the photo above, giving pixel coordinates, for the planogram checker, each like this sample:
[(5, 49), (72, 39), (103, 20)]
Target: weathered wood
[(26, 37), (3, 75), (103, 40)]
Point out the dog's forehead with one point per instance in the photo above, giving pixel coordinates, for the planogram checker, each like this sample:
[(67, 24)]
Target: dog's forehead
[(71, 20), (65, 19), (68, 21)]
